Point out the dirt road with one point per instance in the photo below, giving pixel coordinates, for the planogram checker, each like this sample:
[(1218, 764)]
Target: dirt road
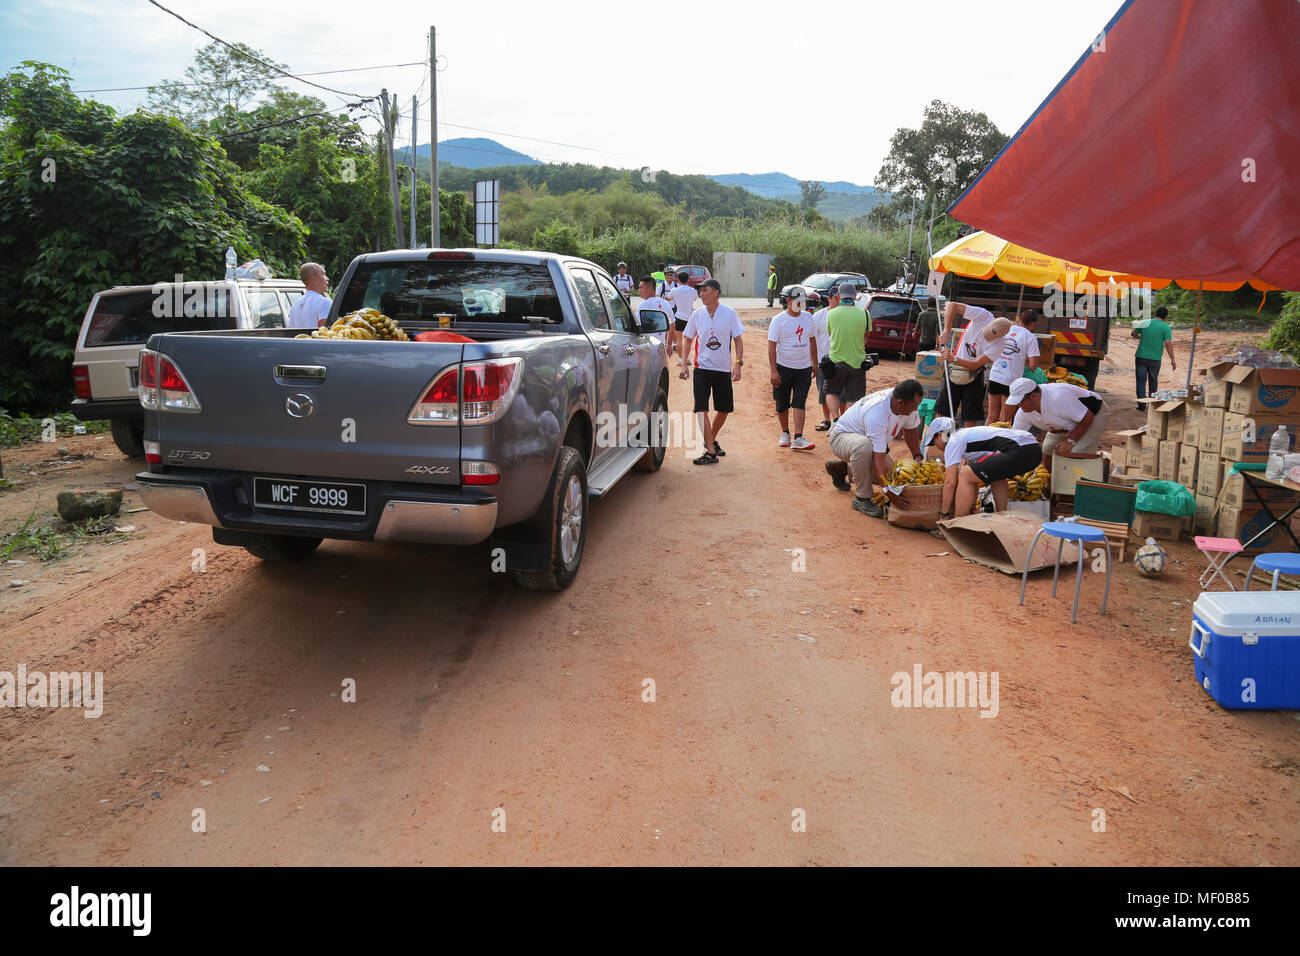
[(772, 694)]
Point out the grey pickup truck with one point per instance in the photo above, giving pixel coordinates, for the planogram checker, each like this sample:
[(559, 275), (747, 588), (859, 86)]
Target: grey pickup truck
[(529, 386)]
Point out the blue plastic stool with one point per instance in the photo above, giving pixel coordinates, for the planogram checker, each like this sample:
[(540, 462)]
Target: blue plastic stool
[(1279, 562), (1078, 533)]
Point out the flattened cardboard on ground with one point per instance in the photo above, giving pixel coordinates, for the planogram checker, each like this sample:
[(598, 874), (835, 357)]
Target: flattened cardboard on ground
[(1001, 541)]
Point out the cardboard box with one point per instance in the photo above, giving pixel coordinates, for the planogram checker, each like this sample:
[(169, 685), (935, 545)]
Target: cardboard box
[(1260, 429), (1149, 524), (1193, 413), (1244, 523), (1150, 455), (1273, 391), (1175, 415), (1188, 456), (1210, 435), (1209, 474), (1217, 388), (1207, 515), (1068, 469), (929, 372), (1168, 463), (1001, 541), (1155, 418), (922, 510), (1046, 349), (1234, 492), (1131, 457)]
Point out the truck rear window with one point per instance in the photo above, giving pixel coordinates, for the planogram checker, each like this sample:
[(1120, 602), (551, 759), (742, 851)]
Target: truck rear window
[(467, 290), (129, 318)]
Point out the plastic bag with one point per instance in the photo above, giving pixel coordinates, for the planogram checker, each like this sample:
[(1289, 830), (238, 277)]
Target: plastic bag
[(1166, 498), (257, 269)]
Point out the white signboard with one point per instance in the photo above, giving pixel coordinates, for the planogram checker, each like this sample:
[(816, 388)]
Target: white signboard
[(487, 212)]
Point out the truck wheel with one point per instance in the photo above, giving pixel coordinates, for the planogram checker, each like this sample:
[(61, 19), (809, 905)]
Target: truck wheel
[(562, 523), (128, 436), (281, 547), (654, 455), (1090, 369)]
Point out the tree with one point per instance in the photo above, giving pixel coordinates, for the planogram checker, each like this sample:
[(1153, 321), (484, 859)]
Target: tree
[(936, 162), (813, 193), (89, 200), (219, 78)]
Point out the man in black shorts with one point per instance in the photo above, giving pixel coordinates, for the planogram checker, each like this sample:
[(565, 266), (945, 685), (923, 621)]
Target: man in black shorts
[(982, 455), (717, 327)]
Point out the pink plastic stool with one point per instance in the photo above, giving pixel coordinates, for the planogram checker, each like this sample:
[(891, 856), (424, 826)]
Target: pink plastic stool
[(1219, 551)]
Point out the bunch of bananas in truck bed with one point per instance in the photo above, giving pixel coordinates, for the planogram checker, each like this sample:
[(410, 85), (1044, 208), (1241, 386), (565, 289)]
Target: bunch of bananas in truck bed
[(362, 324), (1059, 373), (1030, 485)]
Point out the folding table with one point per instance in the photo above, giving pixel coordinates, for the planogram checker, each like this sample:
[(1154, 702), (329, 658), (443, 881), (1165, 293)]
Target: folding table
[(1253, 480)]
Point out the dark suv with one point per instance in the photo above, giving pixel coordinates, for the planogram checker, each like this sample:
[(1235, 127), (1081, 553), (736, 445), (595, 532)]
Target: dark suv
[(817, 287), (893, 322)]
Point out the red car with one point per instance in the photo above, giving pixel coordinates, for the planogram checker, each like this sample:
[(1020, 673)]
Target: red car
[(698, 274), (893, 322)]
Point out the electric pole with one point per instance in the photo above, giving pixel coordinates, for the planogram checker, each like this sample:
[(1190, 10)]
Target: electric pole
[(434, 238), (415, 162), (392, 171)]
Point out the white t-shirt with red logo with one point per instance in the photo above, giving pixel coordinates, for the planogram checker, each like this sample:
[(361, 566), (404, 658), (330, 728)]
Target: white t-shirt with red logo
[(873, 418), (1018, 346), (713, 335), (791, 334)]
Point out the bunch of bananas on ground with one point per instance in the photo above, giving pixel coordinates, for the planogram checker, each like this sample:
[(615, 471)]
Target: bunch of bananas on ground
[(880, 498), (909, 472), (362, 324), (1030, 485), (1059, 373)]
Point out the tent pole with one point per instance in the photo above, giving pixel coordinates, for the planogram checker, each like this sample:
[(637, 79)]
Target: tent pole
[(1196, 324), (1020, 303)]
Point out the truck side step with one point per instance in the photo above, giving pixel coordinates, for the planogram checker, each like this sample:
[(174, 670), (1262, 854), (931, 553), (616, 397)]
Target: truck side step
[(612, 467)]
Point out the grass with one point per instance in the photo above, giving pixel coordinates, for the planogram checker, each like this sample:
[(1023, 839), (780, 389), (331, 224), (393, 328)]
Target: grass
[(49, 542), (16, 430)]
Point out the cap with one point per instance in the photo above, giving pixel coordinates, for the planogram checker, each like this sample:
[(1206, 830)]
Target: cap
[(622, 265), (797, 295), (710, 283), (996, 329), (1019, 389), (847, 290), (940, 426), (771, 268)]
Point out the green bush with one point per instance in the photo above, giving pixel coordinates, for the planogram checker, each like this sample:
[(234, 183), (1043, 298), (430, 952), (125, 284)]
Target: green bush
[(1285, 334)]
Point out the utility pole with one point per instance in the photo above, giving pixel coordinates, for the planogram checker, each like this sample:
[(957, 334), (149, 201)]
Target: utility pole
[(392, 171), (434, 238), (415, 174)]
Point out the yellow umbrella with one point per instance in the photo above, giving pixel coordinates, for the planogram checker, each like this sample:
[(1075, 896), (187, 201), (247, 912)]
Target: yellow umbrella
[(982, 255)]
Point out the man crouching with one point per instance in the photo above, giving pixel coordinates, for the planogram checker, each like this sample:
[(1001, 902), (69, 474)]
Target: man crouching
[(982, 455)]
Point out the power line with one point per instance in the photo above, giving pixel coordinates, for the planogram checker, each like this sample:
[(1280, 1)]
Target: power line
[(355, 69), (249, 56)]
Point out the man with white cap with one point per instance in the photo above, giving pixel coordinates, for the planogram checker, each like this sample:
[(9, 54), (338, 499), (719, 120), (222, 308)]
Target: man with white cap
[(1072, 419), (983, 455), (623, 281), (979, 347), (791, 352), (860, 441)]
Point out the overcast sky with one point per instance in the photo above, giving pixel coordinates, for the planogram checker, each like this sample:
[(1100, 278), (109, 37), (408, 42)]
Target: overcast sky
[(814, 89)]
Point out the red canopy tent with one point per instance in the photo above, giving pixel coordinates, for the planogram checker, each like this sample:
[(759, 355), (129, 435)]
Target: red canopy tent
[(1172, 148)]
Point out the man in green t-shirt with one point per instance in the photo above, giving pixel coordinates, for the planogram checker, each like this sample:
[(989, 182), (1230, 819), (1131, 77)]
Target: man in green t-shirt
[(847, 325), (1153, 335), (927, 325)]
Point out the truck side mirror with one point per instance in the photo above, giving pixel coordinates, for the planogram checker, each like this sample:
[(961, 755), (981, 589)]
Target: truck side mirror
[(652, 320)]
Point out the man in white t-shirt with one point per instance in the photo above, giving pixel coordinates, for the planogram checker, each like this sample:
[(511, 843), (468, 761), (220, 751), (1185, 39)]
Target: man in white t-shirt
[(313, 307), (623, 281), (860, 441), (650, 301), (966, 377), (717, 328), (791, 354), (1018, 347), (822, 338), (683, 297), (982, 455), (1073, 419)]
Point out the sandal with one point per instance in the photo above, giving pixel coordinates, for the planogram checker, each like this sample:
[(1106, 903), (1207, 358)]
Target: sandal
[(708, 458), (825, 426), (717, 450)]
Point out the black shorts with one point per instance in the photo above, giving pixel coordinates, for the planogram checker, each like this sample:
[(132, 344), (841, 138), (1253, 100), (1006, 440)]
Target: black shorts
[(969, 398), (681, 324), (846, 382), (719, 384), (997, 388), (1016, 460), (793, 390), (821, 386)]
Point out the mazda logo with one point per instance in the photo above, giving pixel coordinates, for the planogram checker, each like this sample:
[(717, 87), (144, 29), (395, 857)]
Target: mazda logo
[(299, 406)]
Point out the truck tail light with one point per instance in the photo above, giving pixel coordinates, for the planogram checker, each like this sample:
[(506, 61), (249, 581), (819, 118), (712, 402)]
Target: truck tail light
[(488, 388), (440, 404), (163, 387), (81, 381), (153, 452), (479, 473)]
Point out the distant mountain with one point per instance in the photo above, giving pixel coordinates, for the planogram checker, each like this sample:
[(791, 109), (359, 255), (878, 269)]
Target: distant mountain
[(782, 186), (472, 153)]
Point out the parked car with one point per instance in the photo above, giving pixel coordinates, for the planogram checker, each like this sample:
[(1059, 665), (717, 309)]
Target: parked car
[(893, 322), (106, 361), (921, 292), (817, 287), (501, 426), (698, 274)]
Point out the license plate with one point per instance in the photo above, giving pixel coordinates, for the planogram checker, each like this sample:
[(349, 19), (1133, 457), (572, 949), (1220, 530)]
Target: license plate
[(291, 494), (893, 333)]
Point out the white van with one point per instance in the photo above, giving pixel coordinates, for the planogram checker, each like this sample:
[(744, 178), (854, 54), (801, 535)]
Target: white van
[(105, 370)]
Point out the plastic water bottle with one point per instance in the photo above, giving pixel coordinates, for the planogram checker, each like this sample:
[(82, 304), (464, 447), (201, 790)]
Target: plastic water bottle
[(1278, 447)]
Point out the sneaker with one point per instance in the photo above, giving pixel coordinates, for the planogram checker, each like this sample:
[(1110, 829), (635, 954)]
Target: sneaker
[(868, 507), (801, 444), (785, 440), (717, 450), (839, 472), (825, 426)]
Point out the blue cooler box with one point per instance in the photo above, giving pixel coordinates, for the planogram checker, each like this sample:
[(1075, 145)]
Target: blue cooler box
[(1246, 647)]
